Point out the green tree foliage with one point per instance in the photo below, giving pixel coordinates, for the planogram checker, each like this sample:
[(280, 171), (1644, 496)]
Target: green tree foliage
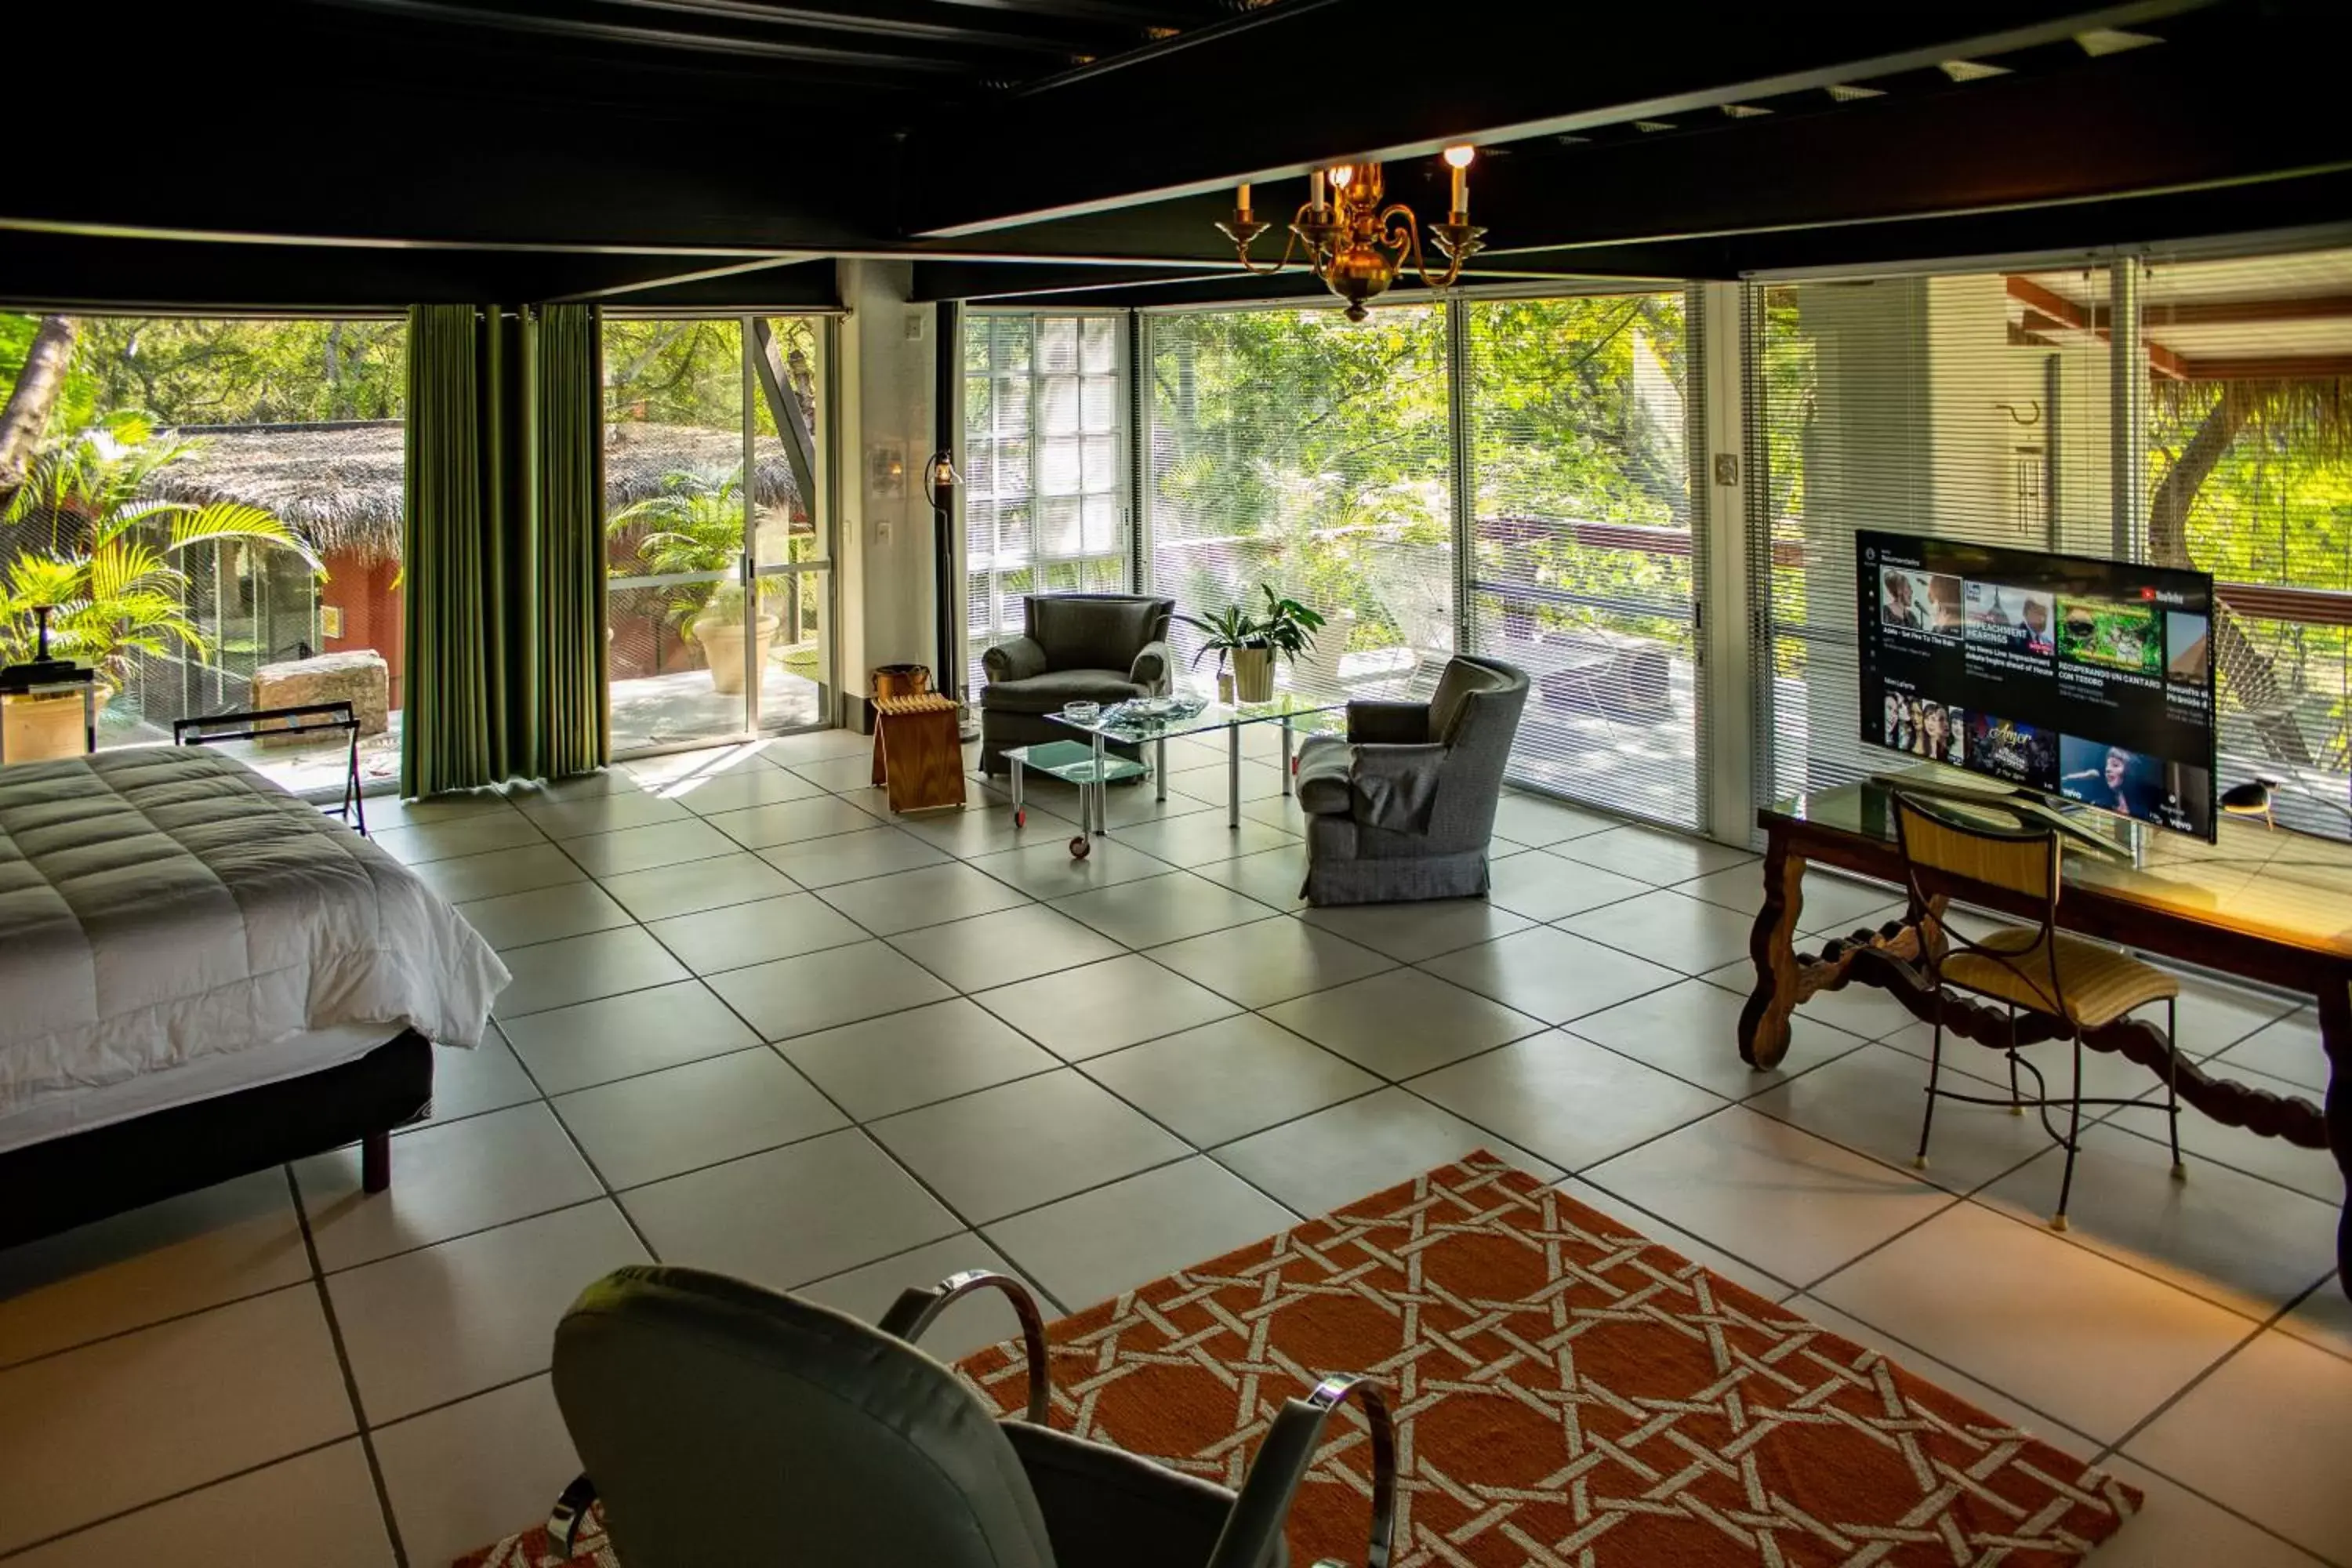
[(186, 371)]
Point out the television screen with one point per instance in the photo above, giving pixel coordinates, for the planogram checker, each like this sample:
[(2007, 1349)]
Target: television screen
[(2085, 678)]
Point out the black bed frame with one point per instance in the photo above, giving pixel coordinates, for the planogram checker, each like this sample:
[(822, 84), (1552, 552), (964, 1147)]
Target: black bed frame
[(55, 1185)]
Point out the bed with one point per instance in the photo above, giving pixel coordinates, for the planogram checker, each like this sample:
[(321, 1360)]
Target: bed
[(200, 975)]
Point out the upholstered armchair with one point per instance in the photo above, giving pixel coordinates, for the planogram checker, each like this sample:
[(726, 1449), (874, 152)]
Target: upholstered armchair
[(1402, 809), (1076, 647), (722, 1423)]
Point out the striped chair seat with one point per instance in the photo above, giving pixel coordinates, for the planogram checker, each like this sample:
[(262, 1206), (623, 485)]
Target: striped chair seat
[(2100, 983)]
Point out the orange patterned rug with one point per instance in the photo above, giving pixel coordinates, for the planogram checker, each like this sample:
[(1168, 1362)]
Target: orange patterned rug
[(1567, 1392)]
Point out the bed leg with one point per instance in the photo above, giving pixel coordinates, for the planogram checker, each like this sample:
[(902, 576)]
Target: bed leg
[(375, 1162)]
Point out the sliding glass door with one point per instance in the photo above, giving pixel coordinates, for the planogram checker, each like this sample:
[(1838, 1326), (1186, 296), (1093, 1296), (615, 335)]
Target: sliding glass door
[(715, 539)]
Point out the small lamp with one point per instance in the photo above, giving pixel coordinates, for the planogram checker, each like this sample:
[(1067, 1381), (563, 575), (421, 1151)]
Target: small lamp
[(2252, 798)]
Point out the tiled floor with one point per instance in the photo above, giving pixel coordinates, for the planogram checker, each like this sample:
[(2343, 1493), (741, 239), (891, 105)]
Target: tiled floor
[(759, 1025)]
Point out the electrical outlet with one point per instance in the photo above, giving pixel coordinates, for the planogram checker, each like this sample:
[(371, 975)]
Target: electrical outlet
[(1726, 467), (914, 326)]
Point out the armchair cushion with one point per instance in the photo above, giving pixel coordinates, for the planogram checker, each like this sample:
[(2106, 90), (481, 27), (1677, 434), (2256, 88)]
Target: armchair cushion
[(1102, 1505), (1094, 631), (1149, 670), (1050, 692), (1324, 764), (1017, 659), (1396, 786), (1388, 723)]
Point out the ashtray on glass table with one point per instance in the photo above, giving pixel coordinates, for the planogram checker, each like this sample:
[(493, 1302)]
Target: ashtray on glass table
[(1073, 761)]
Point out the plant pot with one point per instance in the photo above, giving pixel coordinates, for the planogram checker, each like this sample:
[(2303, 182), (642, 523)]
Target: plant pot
[(1253, 674), (722, 645)]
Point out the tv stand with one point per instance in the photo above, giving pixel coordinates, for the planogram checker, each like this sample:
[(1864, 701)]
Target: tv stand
[(2030, 800)]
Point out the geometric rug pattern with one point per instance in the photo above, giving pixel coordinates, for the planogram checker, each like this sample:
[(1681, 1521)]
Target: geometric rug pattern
[(1565, 1392)]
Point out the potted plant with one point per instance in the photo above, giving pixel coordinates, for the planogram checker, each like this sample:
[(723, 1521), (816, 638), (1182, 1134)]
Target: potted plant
[(106, 558), (696, 525), (1285, 628)]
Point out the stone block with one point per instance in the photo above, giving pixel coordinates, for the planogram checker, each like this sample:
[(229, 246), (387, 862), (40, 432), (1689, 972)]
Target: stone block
[(360, 678)]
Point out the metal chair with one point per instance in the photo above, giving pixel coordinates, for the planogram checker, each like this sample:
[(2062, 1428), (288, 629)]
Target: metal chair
[(727, 1424), (2078, 985)]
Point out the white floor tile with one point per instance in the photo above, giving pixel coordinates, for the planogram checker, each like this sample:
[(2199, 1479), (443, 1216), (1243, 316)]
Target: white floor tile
[(443, 1322), (641, 1130), (2177, 1529), (1200, 837), (1229, 1079), (1090, 1248), (1097, 1007), (1051, 871), (2096, 1345), (796, 1214), (640, 848), (1209, 785), (1162, 909), (985, 826), (468, 1474), (95, 1431), (1567, 1099), (2203, 1140), (816, 746), (900, 1060), (469, 1081), (1551, 974), (1864, 1011), (466, 836), (908, 901), (446, 1181), (1403, 1022), (739, 790), (1021, 1144), (1317, 1162), (1272, 876), (644, 1031), (2214, 1016), (1270, 961), (1649, 1226), (1000, 947), (1795, 1206), (2105, 1074), (1692, 1030), (2323, 1318), (1411, 932), (238, 1238), (1651, 854), (540, 795), (1535, 821), (789, 821), (1870, 1101), (846, 857), (819, 990), (850, 771), (2266, 1436), (583, 969), (1543, 887), (1832, 902), (505, 871), (316, 1510), (1684, 934), (391, 811), (2247, 1243), (742, 935), (693, 886), (606, 812), (1951, 1379), (979, 1321), (543, 914), (2289, 1048)]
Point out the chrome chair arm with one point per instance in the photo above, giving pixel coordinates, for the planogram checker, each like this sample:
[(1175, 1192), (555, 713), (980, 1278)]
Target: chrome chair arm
[(918, 1309), (1282, 1463)]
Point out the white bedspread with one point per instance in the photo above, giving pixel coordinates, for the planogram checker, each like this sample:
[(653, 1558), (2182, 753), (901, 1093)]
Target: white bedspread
[(161, 905)]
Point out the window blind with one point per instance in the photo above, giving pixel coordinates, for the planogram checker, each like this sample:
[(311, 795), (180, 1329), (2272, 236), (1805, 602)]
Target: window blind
[(1961, 405), (1044, 503), (1296, 449), (1582, 568)]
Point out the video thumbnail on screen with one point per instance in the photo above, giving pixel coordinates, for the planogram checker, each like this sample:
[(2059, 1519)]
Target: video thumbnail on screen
[(2134, 784), (2114, 634), (1923, 601), (2005, 749), (1925, 729), (2019, 617)]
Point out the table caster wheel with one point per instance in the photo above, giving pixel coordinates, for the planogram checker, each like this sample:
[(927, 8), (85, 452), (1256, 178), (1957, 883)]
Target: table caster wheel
[(1020, 819), (1080, 848)]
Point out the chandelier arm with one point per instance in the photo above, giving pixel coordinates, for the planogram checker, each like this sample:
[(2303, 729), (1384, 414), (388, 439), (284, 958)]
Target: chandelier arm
[(1254, 270)]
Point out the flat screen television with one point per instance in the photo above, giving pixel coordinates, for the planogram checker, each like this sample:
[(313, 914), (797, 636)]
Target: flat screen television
[(2086, 679)]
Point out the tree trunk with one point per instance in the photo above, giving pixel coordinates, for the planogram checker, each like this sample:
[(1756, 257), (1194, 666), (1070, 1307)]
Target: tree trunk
[(2254, 680), (26, 419)]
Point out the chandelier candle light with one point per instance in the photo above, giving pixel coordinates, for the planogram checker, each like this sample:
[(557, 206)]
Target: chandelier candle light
[(1354, 244)]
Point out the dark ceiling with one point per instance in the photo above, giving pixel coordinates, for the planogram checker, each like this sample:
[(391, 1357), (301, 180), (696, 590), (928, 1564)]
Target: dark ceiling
[(357, 154)]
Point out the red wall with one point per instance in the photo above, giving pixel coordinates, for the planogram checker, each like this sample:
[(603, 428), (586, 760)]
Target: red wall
[(363, 591)]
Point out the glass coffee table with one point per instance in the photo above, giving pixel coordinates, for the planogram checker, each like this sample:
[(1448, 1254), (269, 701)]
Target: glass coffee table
[(1141, 723)]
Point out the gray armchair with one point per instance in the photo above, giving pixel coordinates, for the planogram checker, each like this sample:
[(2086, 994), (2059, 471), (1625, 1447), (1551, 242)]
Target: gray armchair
[(1402, 809), (722, 1423), (1077, 648)]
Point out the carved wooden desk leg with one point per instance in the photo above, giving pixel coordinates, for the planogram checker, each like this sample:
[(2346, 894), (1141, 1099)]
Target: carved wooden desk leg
[(1764, 1022), (2336, 1037)]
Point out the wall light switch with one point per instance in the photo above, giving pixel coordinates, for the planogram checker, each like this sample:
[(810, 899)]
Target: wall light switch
[(914, 326)]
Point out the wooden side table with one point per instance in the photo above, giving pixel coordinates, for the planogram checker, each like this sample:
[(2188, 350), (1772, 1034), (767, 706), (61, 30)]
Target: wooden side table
[(917, 754)]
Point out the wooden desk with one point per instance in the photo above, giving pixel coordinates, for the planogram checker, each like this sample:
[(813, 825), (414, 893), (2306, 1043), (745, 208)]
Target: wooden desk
[(2266, 905)]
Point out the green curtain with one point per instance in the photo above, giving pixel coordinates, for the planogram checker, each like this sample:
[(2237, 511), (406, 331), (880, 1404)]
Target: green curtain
[(504, 572)]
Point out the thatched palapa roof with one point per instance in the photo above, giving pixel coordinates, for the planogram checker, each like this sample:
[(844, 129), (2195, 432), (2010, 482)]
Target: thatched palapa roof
[(339, 484)]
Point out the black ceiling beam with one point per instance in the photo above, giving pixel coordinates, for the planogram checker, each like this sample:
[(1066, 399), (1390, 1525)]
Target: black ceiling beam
[(937, 281), (1495, 70)]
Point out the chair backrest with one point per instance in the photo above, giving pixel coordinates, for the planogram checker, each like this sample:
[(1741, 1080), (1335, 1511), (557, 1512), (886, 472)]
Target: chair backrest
[(1094, 631), (1943, 851), (1475, 714), (724, 1423)]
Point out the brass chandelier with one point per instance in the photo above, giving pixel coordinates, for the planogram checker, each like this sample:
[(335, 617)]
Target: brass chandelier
[(1356, 246)]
